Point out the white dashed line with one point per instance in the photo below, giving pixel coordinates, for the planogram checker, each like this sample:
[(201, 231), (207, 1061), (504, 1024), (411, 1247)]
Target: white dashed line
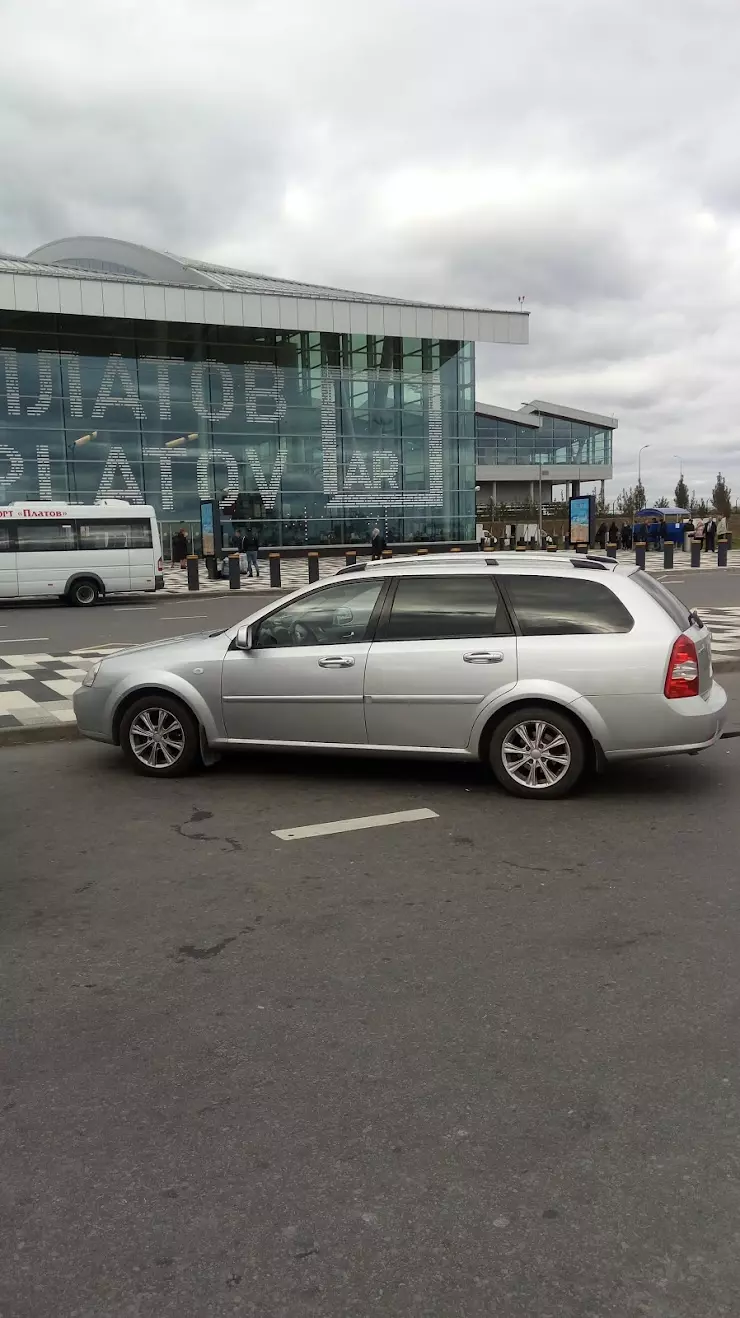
[(352, 825)]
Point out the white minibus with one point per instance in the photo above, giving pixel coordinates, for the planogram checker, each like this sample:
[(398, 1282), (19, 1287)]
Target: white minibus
[(78, 552)]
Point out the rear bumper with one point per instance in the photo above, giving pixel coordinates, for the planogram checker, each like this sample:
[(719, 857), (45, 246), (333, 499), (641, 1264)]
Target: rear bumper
[(680, 727)]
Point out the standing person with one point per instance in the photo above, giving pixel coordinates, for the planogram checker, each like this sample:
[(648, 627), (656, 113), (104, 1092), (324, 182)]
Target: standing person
[(377, 542), (601, 535), (710, 532), (180, 547), (613, 533), (721, 527), (250, 547), (699, 532)]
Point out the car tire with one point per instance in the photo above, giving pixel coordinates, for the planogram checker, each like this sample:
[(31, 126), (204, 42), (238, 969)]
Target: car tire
[(165, 717), (84, 593), (538, 752)]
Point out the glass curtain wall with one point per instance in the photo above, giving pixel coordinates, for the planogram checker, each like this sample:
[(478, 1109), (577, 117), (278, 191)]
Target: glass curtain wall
[(555, 441), (313, 437)]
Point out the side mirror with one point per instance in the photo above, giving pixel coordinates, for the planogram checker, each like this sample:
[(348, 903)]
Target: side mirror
[(245, 638)]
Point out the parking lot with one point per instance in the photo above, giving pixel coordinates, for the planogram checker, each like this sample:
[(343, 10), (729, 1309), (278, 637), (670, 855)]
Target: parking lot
[(481, 1062)]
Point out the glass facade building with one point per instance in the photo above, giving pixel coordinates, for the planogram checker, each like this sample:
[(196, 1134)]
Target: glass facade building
[(315, 436), (555, 441)]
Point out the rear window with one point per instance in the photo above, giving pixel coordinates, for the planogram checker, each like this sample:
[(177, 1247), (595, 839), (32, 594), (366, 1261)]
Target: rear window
[(561, 606), (668, 602)]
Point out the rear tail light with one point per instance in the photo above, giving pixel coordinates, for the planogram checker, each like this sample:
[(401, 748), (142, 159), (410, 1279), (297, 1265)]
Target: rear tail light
[(160, 565), (683, 670)]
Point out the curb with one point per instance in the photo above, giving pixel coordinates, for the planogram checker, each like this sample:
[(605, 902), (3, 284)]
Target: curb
[(38, 732)]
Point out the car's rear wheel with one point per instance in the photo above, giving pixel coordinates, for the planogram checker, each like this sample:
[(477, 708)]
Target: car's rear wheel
[(538, 752), (84, 593), (159, 737)]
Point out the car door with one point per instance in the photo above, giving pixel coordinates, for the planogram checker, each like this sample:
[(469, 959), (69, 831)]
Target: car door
[(444, 647), (8, 562), (302, 680)]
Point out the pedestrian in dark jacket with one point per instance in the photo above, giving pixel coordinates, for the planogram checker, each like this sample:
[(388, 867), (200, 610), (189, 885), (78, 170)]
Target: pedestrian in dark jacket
[(250, 546), (614, 534), (179, 547), (377, 542), (601, 535)]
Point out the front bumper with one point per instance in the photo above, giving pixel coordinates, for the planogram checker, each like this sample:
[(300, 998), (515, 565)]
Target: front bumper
[(89, 705)]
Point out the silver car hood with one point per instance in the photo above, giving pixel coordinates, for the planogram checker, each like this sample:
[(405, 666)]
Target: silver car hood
[(190, 638)]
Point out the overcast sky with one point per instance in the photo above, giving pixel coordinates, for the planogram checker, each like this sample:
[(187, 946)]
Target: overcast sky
[(582, 153)]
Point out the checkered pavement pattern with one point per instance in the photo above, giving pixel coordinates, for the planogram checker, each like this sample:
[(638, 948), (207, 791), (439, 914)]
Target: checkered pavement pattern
[(37, 689), (724, 624)]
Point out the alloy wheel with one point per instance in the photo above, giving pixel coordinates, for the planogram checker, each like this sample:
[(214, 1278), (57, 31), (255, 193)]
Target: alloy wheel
[(157, 738), (536, 754)]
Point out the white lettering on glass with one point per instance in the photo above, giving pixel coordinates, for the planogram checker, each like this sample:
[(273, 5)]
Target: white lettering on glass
[(46, 380), (272, 393), (357, 473), (113, 486), (163, 383), (71, 361), (205, 469), (205, 409), (117, 370), (43, 468), (385, 469), (269, 492), (12, 392), (14, 472)]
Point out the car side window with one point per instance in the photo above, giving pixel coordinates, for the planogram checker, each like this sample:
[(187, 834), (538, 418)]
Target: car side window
[(336, 615), (564, 606), (445, 608)]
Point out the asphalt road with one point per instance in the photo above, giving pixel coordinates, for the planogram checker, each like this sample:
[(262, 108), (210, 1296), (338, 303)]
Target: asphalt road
[(481, 1064), (56, 628), (707, 589)]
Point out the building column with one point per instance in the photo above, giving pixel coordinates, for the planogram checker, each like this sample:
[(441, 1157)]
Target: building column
[(576, 487)]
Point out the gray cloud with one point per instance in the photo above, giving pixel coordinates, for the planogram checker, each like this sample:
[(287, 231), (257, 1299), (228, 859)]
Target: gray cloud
[(581, 154)]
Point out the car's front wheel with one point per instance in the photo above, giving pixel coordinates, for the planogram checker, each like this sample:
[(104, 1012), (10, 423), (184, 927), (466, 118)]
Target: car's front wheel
[(538, 752), (159, 737)]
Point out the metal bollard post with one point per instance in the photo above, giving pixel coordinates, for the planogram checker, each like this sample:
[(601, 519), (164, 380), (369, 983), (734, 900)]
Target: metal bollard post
[(387, 553), (350, 557), (640, 553), (552, 549), (521, 548), (313, 565), (235, 580), (422, 551), (193, 573), (722, 554), (274, 569), (696, 553), (581, 548), (611, 550), (668, 554), (455, 549)]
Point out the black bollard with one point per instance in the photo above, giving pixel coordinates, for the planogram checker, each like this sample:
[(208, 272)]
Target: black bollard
[(722, 554), (274, 569), (313, 565), (581, 548), (235, 580), (422, 551), (668, 554), (193, 573), (611, 550), (350, 557), (640, 553), (696, 553), (552, 549), (387, 553)]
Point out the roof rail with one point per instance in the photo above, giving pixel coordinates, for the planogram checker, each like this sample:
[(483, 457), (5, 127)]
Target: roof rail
[(592, 563)]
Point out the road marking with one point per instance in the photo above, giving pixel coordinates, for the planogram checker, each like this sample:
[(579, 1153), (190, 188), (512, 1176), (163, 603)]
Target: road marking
[(12, 640), (131, 608), (170, 617), (352, 825)]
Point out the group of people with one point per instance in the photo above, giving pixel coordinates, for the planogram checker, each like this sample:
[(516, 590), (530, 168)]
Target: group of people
[(706, 531), (247, 544)]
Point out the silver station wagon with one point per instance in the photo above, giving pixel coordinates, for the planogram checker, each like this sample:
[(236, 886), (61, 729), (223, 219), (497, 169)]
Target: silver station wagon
[(542, 666)]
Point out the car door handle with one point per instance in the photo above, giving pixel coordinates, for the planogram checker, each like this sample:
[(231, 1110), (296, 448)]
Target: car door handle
[(483, 657), (337, 661)]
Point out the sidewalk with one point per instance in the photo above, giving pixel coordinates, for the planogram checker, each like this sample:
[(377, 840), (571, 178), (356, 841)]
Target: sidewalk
[(36, 689)]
